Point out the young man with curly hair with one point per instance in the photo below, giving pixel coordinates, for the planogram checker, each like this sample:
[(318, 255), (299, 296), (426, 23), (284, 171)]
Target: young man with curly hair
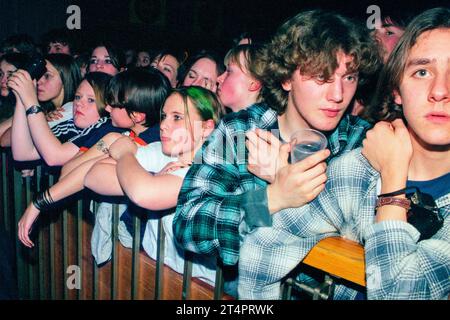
[(310, 72)]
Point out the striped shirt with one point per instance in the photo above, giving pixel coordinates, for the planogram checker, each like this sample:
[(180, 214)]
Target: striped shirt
[(66, 130)]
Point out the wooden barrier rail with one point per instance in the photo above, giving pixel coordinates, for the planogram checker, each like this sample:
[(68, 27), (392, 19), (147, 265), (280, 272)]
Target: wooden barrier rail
[(335, 257), (339, 257)]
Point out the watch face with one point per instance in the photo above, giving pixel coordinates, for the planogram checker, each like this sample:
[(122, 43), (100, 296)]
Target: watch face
[(33, 110)]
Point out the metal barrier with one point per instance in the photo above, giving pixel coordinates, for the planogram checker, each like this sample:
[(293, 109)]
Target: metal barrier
[(63, 240)]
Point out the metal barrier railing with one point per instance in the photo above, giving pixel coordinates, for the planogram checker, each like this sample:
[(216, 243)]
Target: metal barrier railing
[(42, 272)]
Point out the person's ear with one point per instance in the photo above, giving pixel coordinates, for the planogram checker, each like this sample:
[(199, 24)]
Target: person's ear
[(255, 85), (208, 127), (287, 85), (397, 97), (137, 117)]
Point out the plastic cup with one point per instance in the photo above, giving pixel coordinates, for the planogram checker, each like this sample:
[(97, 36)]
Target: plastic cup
[(306, 142)]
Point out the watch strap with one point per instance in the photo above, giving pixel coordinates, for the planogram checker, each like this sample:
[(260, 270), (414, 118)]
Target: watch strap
[(34, 109)]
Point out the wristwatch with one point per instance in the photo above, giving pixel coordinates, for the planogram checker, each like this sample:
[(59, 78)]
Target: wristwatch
[(34, 109)]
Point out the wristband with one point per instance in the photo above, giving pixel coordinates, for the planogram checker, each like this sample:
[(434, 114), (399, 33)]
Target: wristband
[(34, 109), (399, 202)]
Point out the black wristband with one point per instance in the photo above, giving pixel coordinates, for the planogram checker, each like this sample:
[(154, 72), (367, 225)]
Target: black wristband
[(395, 193), (43, 200), (34, 109)]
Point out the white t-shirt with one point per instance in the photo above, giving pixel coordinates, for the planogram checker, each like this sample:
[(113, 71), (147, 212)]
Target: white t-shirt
[(151, 158), (67, 114)]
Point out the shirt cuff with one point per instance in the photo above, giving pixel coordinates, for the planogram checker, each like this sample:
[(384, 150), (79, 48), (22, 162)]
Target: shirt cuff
[(256, 210)]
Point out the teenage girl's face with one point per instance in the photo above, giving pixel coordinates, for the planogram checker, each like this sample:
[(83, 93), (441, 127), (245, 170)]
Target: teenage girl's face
[(120, 117), (168, 65), (203, 73), (181, 133), (143, 59), (6, 70), (50, 86), (101, 62), (85, 112)]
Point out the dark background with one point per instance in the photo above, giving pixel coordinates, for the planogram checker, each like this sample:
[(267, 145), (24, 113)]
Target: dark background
[(184, 23)]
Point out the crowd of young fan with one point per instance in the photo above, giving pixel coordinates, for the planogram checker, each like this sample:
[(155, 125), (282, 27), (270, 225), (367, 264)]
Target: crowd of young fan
[(216, 134)]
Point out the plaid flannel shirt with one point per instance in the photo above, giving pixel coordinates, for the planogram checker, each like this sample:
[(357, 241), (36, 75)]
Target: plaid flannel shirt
[(398, 266), (209, 213)]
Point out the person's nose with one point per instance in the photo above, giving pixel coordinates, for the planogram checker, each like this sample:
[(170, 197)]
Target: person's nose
[(440, 88), (335, 93)]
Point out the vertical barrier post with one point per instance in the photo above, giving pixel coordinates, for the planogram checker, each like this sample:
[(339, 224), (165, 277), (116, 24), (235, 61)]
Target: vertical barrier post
[(5, 191), (218, 286), (80, 242), (94, 266), (187, 276), (135, 257), (18, 209), (51, 181), (160, 247), (65, 252), (115, 254), (42, 256), (31, 253)]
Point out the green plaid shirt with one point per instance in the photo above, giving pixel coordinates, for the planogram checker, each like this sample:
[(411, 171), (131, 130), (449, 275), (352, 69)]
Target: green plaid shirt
[(209, 211)]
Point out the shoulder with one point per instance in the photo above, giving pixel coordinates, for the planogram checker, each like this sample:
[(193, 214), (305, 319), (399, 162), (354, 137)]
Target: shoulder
[(256, 116), (351, 166)]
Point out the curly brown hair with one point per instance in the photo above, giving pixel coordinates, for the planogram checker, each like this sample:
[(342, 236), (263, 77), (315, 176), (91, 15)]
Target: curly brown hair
[(310, 42), (383, 106)]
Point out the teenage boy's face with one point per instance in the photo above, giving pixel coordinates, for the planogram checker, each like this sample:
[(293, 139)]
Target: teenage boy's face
[(234, 86), (424, 91), (119, 117), (387, 36), (317, 104)]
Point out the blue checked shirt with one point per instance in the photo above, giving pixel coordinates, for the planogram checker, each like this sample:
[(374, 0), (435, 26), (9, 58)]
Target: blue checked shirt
[(209, 212), (398, 266)]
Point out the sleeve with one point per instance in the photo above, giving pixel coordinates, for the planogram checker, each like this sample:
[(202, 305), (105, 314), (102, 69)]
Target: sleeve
[(90, 137), (400, 267), (256, 208), (209, 211)]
